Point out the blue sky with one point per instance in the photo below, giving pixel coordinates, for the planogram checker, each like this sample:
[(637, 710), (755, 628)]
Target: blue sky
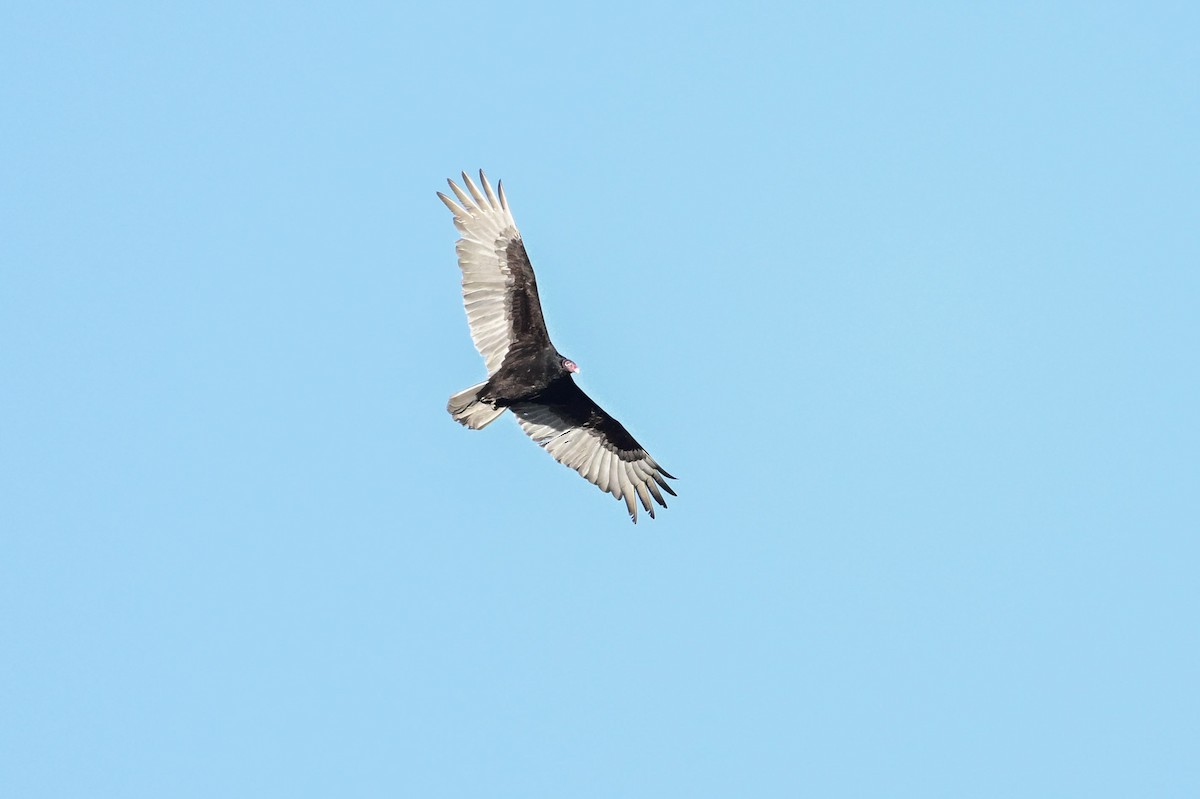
[(907, 296)]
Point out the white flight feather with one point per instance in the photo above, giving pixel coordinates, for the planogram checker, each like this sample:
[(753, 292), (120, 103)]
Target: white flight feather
[(487, 228)]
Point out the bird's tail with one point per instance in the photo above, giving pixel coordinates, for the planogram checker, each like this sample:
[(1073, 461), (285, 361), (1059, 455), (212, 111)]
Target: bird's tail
[(468, 410)]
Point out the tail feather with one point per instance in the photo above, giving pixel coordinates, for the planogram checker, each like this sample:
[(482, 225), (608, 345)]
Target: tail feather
[(468, 410)]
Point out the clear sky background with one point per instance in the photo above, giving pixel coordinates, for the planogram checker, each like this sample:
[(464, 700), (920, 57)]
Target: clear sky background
[(906, 294)]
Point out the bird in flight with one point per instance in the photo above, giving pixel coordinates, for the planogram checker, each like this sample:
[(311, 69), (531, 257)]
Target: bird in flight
[(526, 373)]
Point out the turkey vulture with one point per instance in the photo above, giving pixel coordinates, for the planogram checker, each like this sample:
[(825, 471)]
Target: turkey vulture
[(526, 374)]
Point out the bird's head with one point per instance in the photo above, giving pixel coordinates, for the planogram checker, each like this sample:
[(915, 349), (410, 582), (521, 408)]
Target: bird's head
[(568, 365)]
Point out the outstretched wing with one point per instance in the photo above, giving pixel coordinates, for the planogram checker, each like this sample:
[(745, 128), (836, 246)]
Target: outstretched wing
[(499, 289), (578, 433)]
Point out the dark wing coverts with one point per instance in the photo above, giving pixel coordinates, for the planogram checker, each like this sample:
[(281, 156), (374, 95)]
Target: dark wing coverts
[(578, 433), (499, 289)]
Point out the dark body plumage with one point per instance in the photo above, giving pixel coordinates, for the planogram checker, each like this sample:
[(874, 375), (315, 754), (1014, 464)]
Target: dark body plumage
[(526, 376), (526, 373)]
